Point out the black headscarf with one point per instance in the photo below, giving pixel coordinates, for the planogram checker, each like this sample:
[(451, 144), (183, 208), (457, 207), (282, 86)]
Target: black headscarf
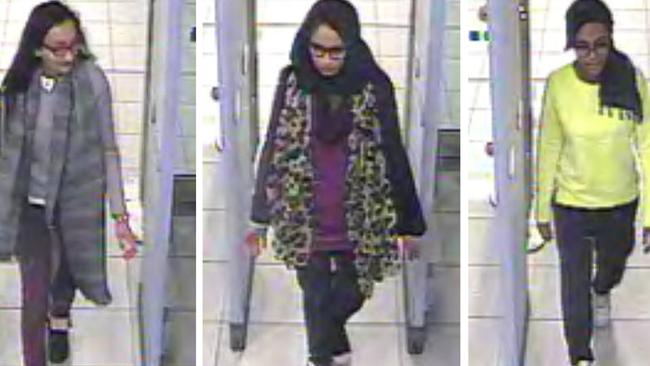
[(331, 103), (618, 84)]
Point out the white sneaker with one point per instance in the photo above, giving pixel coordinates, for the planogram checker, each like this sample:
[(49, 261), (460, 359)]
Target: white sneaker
[(583, 363), (344, 359), (602, 310)]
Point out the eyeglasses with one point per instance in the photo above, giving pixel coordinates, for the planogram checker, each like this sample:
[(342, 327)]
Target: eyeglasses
[(61, 52), (600, 48), (319, 51)]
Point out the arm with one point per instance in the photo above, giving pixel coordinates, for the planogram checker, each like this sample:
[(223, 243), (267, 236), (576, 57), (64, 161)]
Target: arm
[(111, 152), (123, 232), (643, 147), (259, 207), (549, 146), (410, 220)]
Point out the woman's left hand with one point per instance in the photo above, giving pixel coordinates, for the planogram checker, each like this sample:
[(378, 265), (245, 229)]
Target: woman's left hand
[(646, 240), (128, 240)]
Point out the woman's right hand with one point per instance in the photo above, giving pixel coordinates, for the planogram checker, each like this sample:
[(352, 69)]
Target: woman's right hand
[(255, 241), (544, 229)]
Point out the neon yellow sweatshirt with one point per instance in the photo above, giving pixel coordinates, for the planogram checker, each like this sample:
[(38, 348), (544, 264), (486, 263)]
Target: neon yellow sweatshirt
[(585, 158)]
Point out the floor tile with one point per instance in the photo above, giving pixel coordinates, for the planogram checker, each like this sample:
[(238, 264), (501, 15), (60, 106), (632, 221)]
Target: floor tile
[(483, 341), (441, 349), (91, 341), (483, 287), (215, 287), (181, 339)]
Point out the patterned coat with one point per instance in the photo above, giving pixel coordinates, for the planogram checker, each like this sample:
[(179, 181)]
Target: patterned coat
[(381, 199)]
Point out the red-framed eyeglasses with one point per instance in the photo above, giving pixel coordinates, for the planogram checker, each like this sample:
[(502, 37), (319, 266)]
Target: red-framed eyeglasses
[(62, 51)]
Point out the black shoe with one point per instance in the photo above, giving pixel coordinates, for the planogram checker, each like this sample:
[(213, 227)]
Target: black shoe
[(58, 345)]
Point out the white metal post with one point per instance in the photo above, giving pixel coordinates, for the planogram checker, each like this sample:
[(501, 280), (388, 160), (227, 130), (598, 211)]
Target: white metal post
[(158, 229), (510, 221), (237, 111), (427, 113)]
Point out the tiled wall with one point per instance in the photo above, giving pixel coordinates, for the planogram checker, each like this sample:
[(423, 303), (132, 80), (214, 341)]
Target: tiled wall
[(451, 65)]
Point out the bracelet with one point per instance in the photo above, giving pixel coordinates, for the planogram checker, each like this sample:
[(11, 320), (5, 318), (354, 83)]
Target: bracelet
[(124, 217)]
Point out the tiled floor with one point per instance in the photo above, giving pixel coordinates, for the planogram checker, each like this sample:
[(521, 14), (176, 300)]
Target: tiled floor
[(116, 31), (619, 346)]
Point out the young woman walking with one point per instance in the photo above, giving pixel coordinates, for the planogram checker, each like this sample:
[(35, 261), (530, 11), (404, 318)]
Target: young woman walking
[(333, 179)]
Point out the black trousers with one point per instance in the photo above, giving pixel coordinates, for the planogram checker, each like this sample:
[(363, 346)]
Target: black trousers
[(581, 232), (331, 296), (41, 294)]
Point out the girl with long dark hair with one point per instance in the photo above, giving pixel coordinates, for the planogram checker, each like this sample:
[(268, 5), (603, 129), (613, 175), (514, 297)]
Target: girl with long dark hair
[(58, 161), (333, 179)]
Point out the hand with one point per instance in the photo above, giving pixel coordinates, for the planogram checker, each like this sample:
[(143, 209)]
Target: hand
[(127, 239), (646, 240), (255, 241), (409, 246), (545, 231)]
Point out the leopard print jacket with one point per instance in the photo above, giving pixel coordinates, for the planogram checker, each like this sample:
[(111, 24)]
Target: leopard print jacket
[(369, 209)]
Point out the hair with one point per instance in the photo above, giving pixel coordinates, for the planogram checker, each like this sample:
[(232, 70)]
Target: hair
[(359, 63), (582, 12), (42, 18), (339, 15)]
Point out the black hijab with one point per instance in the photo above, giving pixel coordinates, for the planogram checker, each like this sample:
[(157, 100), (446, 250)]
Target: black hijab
[(618, 83), (332, 114)]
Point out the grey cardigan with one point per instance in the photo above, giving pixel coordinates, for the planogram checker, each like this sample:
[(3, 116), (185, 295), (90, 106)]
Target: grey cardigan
[(83, 150)]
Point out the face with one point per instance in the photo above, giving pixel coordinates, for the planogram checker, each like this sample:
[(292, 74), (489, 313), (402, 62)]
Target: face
[(59, 49), (327, 50), (593, 44)]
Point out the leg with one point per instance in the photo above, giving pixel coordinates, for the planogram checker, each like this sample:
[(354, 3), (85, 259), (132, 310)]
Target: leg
[(34, 262), (62, 294), (614, 245), (347, 299), (575, 267), (315, 283), (63, 290)]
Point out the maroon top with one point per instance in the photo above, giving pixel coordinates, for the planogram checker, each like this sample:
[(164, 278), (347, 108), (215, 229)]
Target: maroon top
[(330, 161)]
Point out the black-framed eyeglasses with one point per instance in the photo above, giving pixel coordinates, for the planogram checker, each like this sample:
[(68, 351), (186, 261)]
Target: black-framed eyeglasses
[(62, 51), (334, 53), (599, 48)]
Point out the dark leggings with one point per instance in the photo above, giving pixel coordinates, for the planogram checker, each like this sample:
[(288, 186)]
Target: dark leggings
[(40, 294), (612, 233), (331, 296)]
